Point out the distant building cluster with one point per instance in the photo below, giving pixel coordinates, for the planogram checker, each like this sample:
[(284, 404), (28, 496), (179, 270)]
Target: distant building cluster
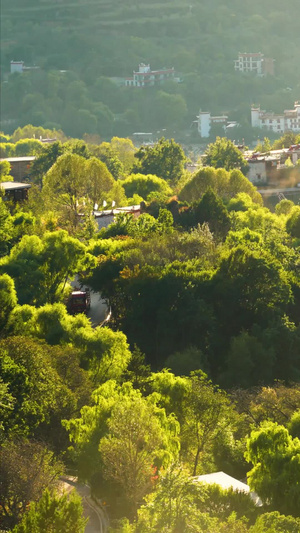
[(289, 120), (145, 77), (206, 121), (256, 63)]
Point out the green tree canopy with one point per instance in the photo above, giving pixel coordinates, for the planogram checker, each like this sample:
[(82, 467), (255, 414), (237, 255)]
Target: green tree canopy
[(275, 475), (224, 154), (143, 185), (53, 513), (165, 159), (26, 470)]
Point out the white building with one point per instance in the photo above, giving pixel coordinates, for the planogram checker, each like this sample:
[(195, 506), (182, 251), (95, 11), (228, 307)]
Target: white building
[(145, 77), (227, 482), (19, 66), (289, 120), (16, 66), (206, 120), (256, 63)]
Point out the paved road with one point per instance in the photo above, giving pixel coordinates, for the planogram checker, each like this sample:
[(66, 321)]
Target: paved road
[(97, 521), (98, 310)]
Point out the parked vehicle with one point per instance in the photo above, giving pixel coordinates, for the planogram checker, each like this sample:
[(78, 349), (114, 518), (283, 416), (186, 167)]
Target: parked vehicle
[(79, 301)]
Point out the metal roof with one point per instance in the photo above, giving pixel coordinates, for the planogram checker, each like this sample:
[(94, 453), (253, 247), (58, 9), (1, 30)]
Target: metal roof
[(19, 159), (14, 185)]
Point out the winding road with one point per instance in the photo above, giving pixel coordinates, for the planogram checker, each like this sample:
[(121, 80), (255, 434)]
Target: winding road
[(97, 518)]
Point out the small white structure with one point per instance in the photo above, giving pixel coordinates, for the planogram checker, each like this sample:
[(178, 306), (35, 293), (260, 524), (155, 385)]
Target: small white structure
[(289, 120), (16, 66), (254, 62), (227, 482), (206, 120), (19, 66)]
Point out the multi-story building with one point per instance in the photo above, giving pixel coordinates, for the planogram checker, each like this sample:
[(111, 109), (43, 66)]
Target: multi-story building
[(289, 120), (206, 120), (145, 77), (256, 63)]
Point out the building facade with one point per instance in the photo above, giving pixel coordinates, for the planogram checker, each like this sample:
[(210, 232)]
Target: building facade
[(206, 120), (256, 63), (20, 166), (145, 77), (289, 120)]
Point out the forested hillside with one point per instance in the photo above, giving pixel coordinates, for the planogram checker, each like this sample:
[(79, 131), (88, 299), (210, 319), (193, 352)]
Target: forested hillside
[(79, 45)]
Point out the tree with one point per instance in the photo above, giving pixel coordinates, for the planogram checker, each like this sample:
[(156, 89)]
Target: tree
[(275, 475), (172, 506), (6, 228), (65, 185), (5, 169), (224, 154), (53, 514), (74, 184), (26, 470), (144, 185), (8, 298), (45, 160), (238, 299), (99, 178), (107, 155), (293, 222), (285, 141), (165, 159), (25, 147), (225, 184), (211, 210), (141, 439), (48, 263), (206, 414), (125, 150), (39, 397), (284, 207), (275, 523)]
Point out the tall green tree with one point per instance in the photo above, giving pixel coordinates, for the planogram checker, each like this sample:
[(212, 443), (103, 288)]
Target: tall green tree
[(26, 470), (224, 154), (275, 475), (140, 440), (165, 159), (54, 513), (48, 263)]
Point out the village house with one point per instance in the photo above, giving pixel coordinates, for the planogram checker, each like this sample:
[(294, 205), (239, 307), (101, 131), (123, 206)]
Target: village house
[(289, 120), (145, 77), (20, 166), (15, 191), (256, 63), (206, 120)]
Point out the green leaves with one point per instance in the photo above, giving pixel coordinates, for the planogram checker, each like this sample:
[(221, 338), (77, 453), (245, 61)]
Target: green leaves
[(224, 154), (46, 263), (276, 471), (54, 512)]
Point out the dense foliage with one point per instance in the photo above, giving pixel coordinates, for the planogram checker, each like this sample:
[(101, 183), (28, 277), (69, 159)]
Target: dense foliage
[(196, 371)]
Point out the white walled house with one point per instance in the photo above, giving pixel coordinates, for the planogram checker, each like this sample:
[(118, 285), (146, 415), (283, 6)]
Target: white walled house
[(145, 77), (254, 62), (206, 120), (16, 66), (289, 120)]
